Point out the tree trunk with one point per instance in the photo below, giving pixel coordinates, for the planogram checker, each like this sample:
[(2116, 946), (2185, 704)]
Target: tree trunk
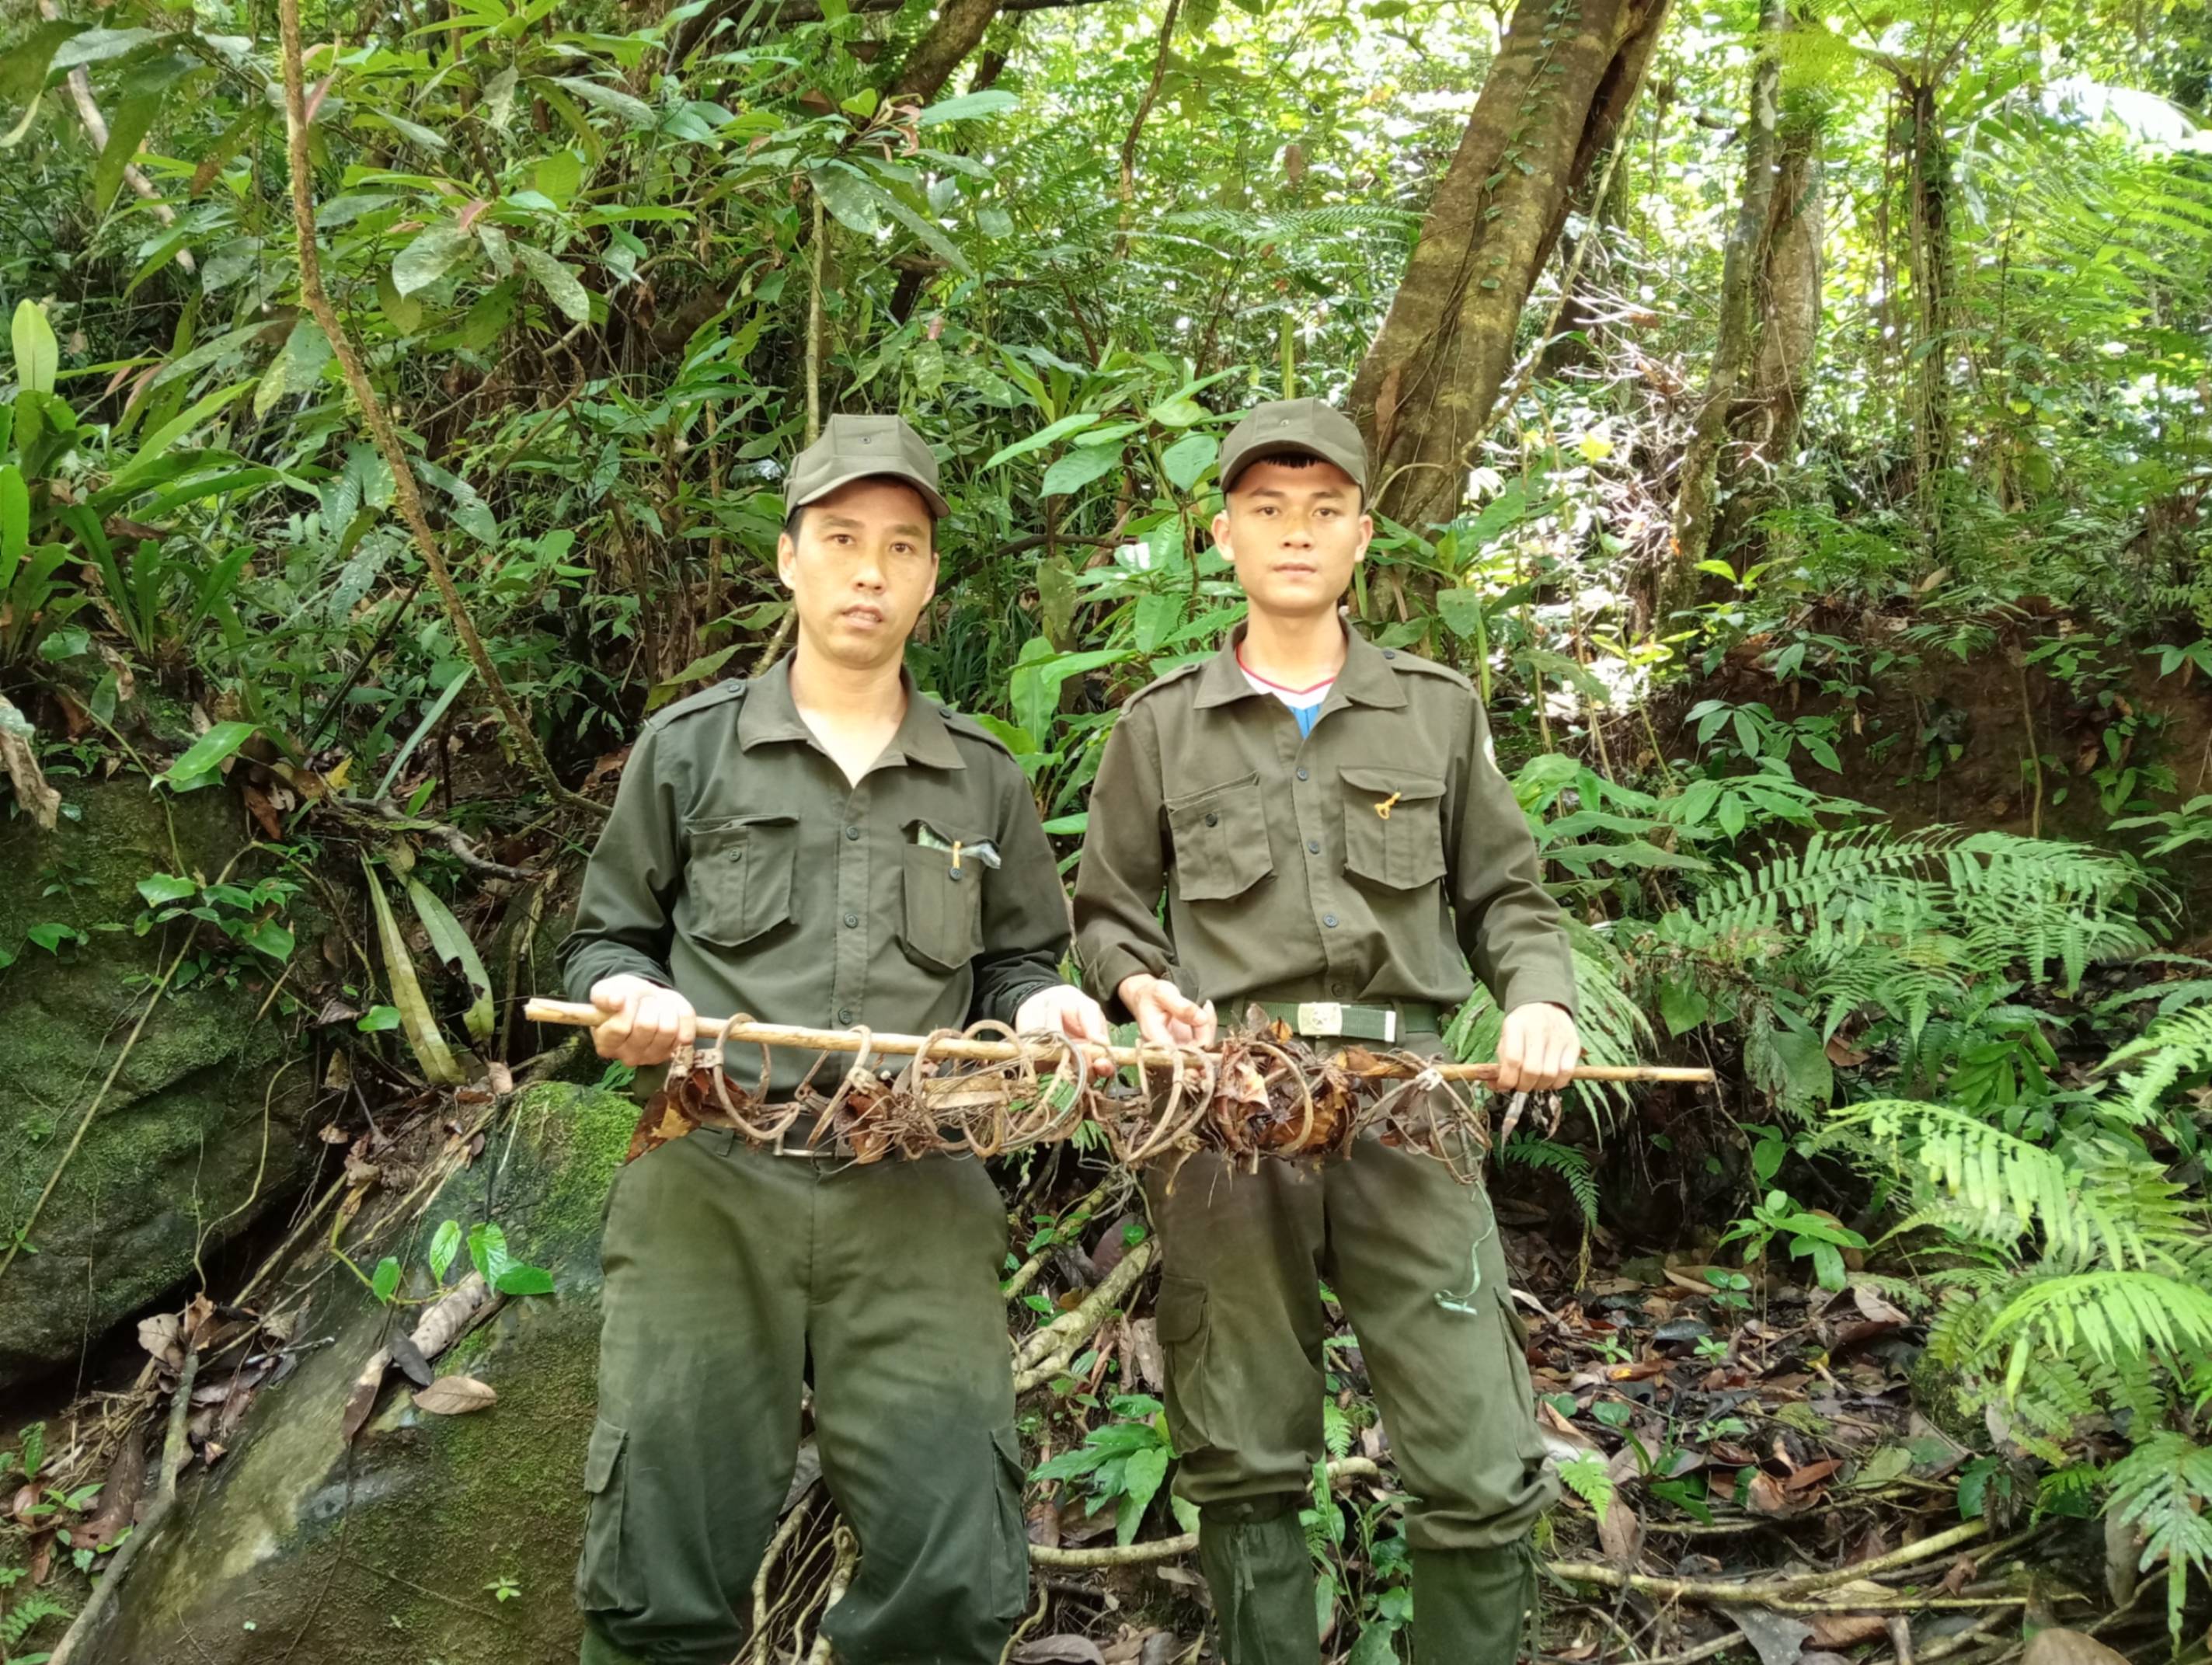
[(1565, 75), (1769, 408), (956, 32), (1734, 351), (1928, 186)]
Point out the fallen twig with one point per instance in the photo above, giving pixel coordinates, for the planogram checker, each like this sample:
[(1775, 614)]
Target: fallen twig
[(176, 1451), (1045, 1354), (1764, 1592)]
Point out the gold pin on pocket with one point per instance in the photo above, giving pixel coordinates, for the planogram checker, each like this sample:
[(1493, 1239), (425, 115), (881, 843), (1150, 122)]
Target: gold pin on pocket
[(1383, 808)]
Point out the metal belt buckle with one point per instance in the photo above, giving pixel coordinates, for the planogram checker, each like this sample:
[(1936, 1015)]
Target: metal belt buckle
[(1320, 1017)]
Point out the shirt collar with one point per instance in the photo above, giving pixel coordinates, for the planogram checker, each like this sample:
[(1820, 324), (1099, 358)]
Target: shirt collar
[(922, 736), (1367, 678)]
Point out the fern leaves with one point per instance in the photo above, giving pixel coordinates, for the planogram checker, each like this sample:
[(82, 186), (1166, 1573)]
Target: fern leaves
[(2163, 1488)]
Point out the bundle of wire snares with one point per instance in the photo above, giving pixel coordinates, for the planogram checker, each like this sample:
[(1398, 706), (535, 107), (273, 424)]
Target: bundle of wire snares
[(1253, 1095)]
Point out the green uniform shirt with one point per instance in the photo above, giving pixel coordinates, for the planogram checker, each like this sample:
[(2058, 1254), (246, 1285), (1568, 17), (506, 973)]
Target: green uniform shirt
[(1285, 878), (741, 868)]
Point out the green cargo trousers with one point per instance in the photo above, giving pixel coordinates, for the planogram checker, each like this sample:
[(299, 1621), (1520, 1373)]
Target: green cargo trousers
[(1414, 1256), (727, 1268)]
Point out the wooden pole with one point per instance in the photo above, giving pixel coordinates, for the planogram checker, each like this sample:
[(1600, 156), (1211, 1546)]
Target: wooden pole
[(1044, 1051)]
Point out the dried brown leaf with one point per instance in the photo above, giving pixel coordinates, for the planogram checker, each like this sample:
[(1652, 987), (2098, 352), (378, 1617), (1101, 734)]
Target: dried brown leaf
[(159, 1335), (1064, 1649), (362, 1399), (2060, 1646), (455, 1395), (452, 1316)]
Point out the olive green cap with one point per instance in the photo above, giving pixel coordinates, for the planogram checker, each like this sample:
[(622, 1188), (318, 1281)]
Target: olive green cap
[(859, 448), (1294, 428)]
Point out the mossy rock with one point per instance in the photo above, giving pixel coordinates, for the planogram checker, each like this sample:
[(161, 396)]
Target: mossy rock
[(175, 1164), (392, 1551)]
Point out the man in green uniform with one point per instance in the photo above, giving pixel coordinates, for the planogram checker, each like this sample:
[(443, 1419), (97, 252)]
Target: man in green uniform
[(1330, 831), (822, 848)]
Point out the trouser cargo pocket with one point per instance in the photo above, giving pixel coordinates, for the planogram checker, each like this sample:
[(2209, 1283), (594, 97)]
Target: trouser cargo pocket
[(601, 1583)]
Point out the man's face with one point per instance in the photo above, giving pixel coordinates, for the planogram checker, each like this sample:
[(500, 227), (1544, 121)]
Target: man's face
[(1294, 532), (863, 568)]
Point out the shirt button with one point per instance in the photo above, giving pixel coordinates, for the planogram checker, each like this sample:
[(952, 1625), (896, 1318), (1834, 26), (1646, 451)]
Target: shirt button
[(1302, 774), (1389, 653), (844, 1015), (1212, 819), (852, 919), (1337, 989), (852, 833), (1330, 919), (1313, 845)]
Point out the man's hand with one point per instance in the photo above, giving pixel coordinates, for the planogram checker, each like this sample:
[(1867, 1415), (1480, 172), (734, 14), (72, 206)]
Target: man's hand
[(1536, 1048), (1064, 1009), (1165, 1016), (647, 1023)]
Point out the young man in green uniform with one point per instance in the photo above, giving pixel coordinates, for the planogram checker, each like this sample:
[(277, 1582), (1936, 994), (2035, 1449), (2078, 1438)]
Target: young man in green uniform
[(822, 848), (1330, 831)]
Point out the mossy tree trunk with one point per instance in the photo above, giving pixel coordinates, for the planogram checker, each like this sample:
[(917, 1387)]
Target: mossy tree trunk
[(1735, 351), (1564, 80)]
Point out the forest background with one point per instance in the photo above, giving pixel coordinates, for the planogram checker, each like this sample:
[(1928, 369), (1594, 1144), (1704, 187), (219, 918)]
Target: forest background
[(1796, 419)]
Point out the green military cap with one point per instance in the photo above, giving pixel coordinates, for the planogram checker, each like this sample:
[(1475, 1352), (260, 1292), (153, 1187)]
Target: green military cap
[(1294, 428), (859, 448)]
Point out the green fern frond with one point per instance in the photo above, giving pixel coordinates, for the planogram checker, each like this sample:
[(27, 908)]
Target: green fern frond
[(27, 1615), (2175, 1046), (2109, 1314), (1588, 1477), (2163, 1488), (2131, 1214), (1336, 1429), (1527, 1151)]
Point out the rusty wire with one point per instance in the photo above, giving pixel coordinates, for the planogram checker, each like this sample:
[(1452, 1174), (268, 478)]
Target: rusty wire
[(1261, 1094)]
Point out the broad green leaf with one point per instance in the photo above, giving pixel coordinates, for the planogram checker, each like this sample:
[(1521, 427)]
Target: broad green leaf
[(559, 284), (23, 71), (415, 1019), (14, 522), (488, 1252), (99, 45), (385, 1283), (1042, 437), (1178, 412), (38, 354), (1460, 610), (1188, 460), (267, 937), (854, 202), (558, 175), (1682, 1006), (1156, 618), (297, 366), (519, 1279), (635, 111), (205, 755), (158, 888), (1079, 469), (413, 131), (967, 107), (428, 258), (377, 1019), (138, 472), (142, 92), (404, 314), (445, 1243), (450, 945)]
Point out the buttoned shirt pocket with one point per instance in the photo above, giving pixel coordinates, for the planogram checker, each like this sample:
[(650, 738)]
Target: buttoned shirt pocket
[(1220, 838), (739, 876), (943, 911), (1393, 833)]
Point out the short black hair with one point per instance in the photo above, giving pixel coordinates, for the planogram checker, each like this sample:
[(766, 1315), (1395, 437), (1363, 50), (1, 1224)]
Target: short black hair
[(797, 518), (1298, 459)]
